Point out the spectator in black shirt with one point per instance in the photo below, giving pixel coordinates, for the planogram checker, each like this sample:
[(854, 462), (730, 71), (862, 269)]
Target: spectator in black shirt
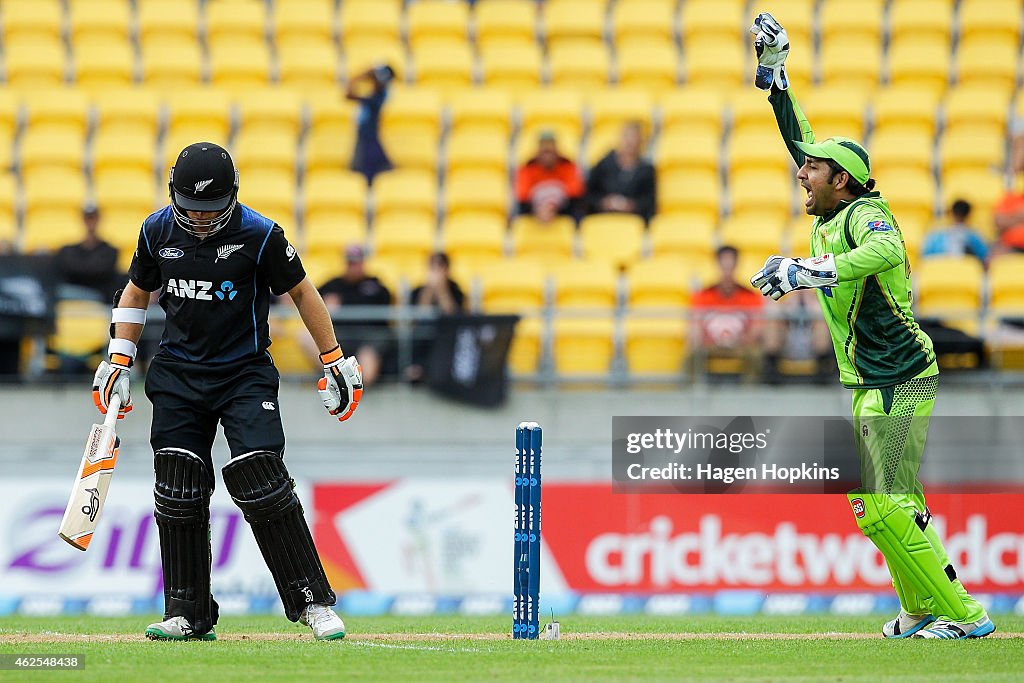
[(369, 339), (91, 263), (441, 293), (623, 181)]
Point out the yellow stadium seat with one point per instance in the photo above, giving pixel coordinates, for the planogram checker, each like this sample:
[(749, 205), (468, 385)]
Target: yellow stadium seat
[(599, 144), (690, 193), (610, 109), (38, 19), (473, 151), (477, 192), (338, 196), (93, 20), (474, 242), (613, 238), (655, 346), (559, 110), (751, 113), (47, 149), (57, 110), (410, 150), (104, 65), (272, 111), (271, 193), (504, 22), (659, 283), (968, 150), (682, 237), (413, 111), (328, 112), (511, 67), (719, 65), (893, 152), (583, 346), (444, 65), (948, 287), (168, 21), (10, 106), (526, 144), (566, 21), (363, 53), (512, 286), (329, 150), (303, 22), (982, 188), (920, 64), (125, 195), (206, 109), (754, 234), (289, 356), (796, 15), (682, 151), (766, 197), (403, 240), (990, 65), (696, 112), (34, 63), (906, 109), (411, 194), (911, 196), (1006, 284), (81, 328), (989, 21), (837, 69), (552, 241), (481, 111), (648, 66), (364, 20), (53, 208), (758, 150), (307, 67), (643, 21), (171, 66), (325, 239), (524, 356), (835, 110), (234, 19), (853, 21), (921, 19), (713, 21), (430, 20), (132, 150), (586, 284), (262, 150), (576, 64), (239, 64)]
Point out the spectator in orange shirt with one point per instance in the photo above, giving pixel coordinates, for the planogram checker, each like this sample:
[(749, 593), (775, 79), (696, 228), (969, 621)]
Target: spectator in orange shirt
[(1009, 213), (549, 184)]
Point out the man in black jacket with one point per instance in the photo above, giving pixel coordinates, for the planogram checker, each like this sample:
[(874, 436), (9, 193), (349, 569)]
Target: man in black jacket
[(623, 181)]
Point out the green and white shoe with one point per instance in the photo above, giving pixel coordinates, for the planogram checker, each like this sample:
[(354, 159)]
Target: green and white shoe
[(325, 623), (176, 628)]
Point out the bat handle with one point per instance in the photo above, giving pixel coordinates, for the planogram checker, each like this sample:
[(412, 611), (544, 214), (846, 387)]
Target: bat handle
[(113, 409)]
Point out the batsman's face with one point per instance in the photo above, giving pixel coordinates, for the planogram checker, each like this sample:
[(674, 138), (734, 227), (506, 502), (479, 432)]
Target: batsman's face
[(814, 177)]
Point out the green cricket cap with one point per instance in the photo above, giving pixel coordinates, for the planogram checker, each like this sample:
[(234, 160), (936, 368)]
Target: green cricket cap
[(846, 152)]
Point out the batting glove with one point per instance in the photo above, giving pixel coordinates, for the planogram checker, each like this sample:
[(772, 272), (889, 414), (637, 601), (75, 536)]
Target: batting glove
[(341, 387), (112, 378), (772, 47), (781, 275)]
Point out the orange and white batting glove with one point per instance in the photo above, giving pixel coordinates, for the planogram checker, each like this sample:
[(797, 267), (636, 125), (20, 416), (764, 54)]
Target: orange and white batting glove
[(112, 378), (341, 387)]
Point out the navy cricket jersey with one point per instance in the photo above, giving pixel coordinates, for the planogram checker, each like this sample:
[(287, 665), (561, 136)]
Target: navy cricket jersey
[(216, 291)]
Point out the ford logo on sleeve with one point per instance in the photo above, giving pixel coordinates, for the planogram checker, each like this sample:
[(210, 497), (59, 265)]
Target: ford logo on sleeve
[(171, 252)]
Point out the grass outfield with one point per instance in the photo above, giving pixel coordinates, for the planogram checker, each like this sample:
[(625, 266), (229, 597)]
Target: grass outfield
[(449, 648)]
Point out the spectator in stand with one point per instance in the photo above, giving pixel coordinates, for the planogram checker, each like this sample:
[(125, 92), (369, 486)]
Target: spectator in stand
[(623, 181), (796, 331), (1009, 213), (369, 157), (92, 263), (959, 239), (549, 184), (726, 315), (368, 340), (441, 293)]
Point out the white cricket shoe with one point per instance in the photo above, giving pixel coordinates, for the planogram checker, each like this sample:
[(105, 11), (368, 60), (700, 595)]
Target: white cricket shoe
[(176, 628), (906, 625), (944, 629), (325, 623)]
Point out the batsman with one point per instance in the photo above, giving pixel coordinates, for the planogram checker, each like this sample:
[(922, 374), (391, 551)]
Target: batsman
[(858, 265), (216, 263)]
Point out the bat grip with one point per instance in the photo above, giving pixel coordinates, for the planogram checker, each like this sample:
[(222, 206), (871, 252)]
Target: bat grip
[(113, 408)]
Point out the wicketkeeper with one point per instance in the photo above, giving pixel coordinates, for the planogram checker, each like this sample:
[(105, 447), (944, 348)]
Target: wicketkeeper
[(858, 265), (216, 263)]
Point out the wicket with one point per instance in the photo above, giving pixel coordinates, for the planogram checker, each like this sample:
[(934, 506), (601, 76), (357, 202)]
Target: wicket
[(526, 556)]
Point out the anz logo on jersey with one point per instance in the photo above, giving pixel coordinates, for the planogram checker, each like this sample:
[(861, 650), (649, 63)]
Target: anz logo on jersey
[(200, 290)]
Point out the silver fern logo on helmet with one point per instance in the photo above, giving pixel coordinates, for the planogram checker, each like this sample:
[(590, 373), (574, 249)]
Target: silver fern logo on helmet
[(202, 185)]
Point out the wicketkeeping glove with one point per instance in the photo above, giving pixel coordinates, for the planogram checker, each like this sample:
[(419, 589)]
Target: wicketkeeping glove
[(781, 275), (341, 387), (772, 47), (112, 378)]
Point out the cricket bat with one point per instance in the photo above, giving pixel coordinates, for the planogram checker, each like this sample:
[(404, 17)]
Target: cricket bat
[(82, 515)]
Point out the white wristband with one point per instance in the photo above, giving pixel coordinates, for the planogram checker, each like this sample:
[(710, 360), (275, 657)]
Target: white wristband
[(128, 315), (122, 346)]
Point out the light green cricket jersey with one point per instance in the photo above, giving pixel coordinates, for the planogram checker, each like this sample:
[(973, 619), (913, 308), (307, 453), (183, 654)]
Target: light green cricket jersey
[(877, 341)]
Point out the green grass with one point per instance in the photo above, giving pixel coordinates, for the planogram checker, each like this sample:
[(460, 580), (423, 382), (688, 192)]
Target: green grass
[(367, 656)]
